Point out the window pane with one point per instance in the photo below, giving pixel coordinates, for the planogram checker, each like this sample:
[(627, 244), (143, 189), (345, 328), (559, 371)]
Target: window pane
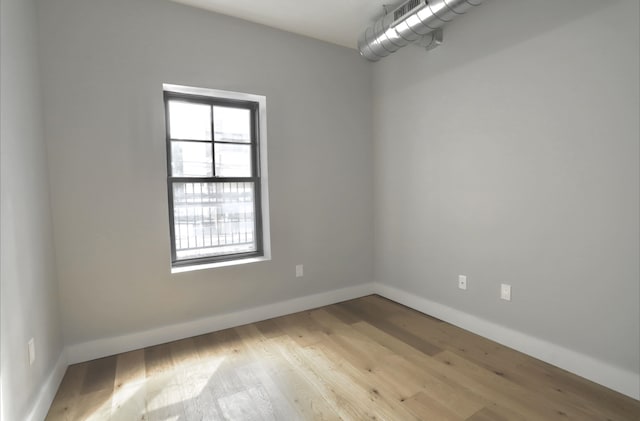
[(233, 160), (189, 121), (213, 219), (232, 124), (191, 159)]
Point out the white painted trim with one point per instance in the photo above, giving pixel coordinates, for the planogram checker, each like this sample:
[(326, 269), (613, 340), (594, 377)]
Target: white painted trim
[(261, 100), (608, 375), (48, 390), (616, 378), (109, 346), (194, 90), (202, 266)]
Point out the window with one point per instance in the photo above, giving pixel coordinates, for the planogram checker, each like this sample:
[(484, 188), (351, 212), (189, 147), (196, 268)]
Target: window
[(216, 163)]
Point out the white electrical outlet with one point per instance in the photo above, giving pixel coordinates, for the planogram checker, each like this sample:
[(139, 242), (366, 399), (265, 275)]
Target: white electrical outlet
[(299, 271), (462, 282), (505, 292), (32, 351)]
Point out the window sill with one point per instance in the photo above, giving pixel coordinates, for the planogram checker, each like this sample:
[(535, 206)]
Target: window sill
[(191, 268)]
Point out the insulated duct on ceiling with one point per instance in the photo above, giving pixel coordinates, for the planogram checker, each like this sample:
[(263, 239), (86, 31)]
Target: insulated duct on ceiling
[(413, 20)]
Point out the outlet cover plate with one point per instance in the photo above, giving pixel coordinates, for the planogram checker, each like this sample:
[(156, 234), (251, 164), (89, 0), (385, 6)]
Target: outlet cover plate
[(462, 282), (32, 351), (505, 292)]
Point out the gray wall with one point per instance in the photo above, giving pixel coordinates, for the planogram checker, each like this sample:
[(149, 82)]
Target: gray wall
[(510, 154), (103, 64), (29, 292)]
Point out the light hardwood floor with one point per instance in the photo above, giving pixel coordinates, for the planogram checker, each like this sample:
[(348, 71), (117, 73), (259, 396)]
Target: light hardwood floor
[(365, 359)]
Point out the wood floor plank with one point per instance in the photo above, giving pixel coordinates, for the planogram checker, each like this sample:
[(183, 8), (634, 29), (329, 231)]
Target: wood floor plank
[(191, 375), (86, 391), (269, 328), (375, 367), (507, 390), (345, 316), (93, 406), (101, 375), (163, 400), (380, 319), (449, 393), (428, 408), (226, 385), (291, 386), (520, 368), (268, 401), (364, 359), (483, 351), (157, 360), (300, 327), (128, 400), (65, 402), (496, 412), (486, 414), (485, 387), (557, 384), (353, 401)]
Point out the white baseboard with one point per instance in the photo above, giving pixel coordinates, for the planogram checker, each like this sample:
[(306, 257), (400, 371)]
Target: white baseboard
[(620, 380), (608, 375), (109, 346), (48, 390)]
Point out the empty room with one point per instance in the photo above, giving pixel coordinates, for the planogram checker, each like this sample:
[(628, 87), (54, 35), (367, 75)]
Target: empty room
[(338, 210)]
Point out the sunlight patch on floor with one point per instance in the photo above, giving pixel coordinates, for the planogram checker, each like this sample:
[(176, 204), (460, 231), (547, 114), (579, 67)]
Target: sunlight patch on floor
[(163, 392)]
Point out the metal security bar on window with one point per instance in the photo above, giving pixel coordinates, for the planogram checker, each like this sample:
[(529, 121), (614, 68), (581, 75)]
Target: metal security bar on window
[(212, 219)]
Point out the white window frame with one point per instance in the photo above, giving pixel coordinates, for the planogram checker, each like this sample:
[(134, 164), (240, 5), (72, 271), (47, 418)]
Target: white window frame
[(263, 165)]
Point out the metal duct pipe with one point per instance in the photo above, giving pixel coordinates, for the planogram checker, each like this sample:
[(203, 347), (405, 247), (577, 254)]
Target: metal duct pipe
[(407, 23)]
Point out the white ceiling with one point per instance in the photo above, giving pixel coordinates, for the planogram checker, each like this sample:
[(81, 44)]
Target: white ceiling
[(336, 21)]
